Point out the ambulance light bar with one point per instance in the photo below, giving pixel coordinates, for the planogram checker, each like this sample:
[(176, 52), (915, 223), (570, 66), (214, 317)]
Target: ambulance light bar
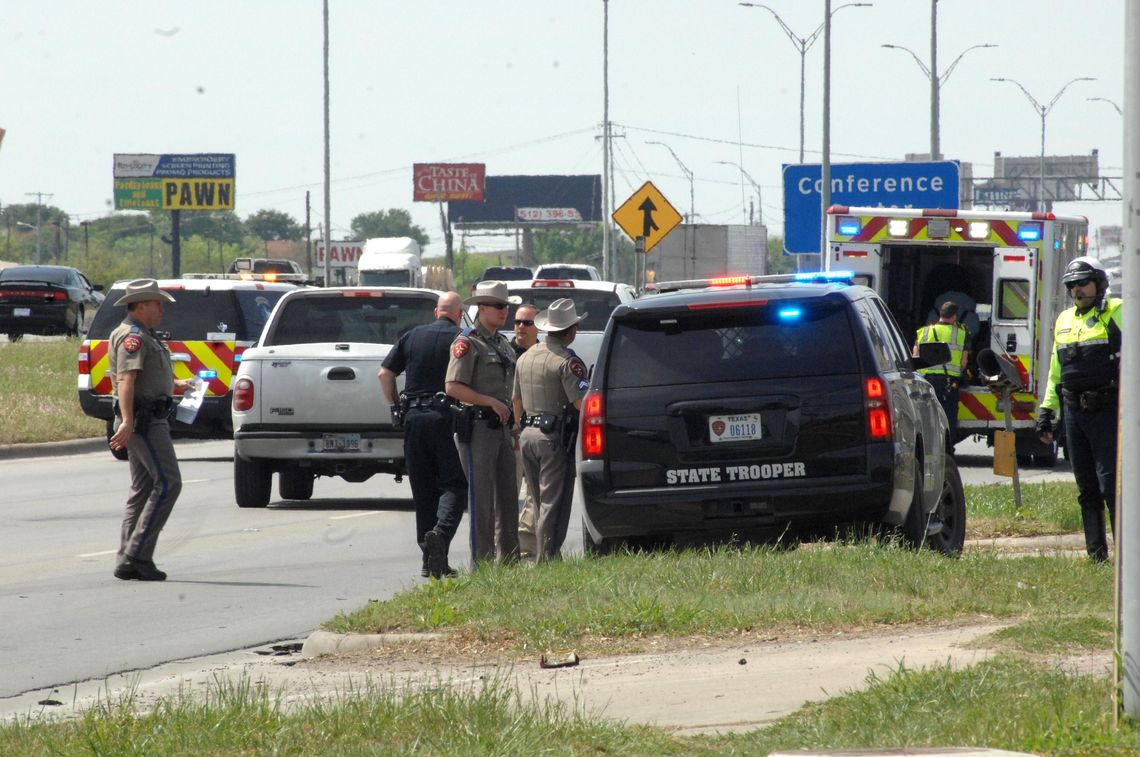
[(978, 229), (1030, 231), (849, 226)]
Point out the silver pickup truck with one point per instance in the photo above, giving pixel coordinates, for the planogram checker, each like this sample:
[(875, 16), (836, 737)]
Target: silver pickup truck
[(307, 401)]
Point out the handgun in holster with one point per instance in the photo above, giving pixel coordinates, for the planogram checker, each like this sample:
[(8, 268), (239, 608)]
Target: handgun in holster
[(569, 427), (463, 422)]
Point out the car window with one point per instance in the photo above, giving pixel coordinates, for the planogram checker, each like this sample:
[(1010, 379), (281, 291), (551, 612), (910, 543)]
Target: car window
[(789, 338), (596, 305), (24, 273), (511, 273), (563, 272), (377, 320), (196, 313)]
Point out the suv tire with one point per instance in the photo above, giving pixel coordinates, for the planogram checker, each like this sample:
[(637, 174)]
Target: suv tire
[(296, 484), (951, 510), (597, 549), (253, 481)]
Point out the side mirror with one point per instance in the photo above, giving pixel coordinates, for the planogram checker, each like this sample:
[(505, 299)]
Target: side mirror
[(932, 353), (999, 370)]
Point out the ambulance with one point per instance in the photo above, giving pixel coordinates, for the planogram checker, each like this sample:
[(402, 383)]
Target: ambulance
[(1003, 269)]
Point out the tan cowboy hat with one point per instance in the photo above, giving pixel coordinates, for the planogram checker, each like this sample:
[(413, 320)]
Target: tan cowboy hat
[(560, 316), (487, 292), (141, 290)]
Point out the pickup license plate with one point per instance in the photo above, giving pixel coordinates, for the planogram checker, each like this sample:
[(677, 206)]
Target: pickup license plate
[(341, 442), (734, 428), (21, 312)]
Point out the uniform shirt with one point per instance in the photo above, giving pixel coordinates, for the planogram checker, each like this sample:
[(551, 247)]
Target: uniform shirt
[(548, 377), (422, 355), (484, 361), (1086, 351), (951, 334), (134, 348)]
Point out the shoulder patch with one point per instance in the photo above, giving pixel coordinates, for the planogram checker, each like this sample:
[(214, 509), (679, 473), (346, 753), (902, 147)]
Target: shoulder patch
[(577, 367), (132, 344), (460, 347)]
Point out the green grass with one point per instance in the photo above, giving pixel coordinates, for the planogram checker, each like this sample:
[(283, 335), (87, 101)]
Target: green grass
[(38, 396), (595, 605), (1046, 508)]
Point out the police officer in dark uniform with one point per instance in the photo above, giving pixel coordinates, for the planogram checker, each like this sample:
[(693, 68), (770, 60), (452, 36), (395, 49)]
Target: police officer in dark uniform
[(144, 383), (550, 381), (1084, 374), (439, 487), (480, 375)]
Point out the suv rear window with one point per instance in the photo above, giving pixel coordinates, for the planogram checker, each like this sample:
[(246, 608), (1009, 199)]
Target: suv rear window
[(196, 313), (376, 320), (596, 305), (778, 339), (563, 272), (506, 273)]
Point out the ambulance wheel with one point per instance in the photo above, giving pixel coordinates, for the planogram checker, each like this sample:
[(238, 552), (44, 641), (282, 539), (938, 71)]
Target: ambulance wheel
[(252, 483), (118, 454), (296, 484)]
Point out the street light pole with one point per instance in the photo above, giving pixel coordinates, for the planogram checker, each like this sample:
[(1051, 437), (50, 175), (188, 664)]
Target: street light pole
[(1043, 111), (688, 175), (1106, 100), (802, 45), (745, 174)]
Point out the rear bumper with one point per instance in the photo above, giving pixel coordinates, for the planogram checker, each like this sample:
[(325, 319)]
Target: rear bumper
[(213, 421), (43, 320), (380, 451)]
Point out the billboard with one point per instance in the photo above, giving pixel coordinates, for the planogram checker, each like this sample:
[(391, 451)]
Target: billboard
[(507, 195), (342, 254), (198, 181), (436, 182), (884, 185)]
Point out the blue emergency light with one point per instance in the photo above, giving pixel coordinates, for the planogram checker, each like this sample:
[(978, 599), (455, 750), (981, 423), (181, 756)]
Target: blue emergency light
[(823, 276), (207, 374), (789, 314), (849, 226), (1030, 231)]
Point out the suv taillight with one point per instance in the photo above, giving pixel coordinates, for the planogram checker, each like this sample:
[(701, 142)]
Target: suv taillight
[(593, 426), (878, 409), (243, 394), (85, 358)]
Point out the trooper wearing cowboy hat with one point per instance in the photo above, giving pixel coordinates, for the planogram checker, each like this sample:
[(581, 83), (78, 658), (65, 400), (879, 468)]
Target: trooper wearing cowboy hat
[(550, 381), (143, 381), (480, 373)]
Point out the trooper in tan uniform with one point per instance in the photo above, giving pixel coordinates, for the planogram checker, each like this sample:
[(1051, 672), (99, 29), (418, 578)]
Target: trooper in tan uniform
[(526, 336), (144, 383), (479, 375), (550, 381)]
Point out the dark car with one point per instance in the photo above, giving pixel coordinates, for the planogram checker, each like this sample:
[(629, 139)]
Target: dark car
[(46, 299), (774, 409), (207, 328)]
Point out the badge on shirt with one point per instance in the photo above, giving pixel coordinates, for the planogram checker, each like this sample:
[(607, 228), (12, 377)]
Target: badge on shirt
[(578, 368), (460, 348), (132, 344)]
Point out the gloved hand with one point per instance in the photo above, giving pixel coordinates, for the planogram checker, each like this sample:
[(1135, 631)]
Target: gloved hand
[(1045, 418), (397, 417)]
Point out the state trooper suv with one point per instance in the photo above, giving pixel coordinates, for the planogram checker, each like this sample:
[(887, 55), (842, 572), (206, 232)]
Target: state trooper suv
[(768, 408)]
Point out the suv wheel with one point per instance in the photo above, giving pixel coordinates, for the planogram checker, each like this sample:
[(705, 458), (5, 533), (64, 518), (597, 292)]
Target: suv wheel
[(591, 547), (914, 528), (296, 484), (252, 482), (118, 454), (951, 510)]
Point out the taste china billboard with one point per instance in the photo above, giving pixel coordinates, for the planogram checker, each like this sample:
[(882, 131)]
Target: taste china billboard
[(437, 182)]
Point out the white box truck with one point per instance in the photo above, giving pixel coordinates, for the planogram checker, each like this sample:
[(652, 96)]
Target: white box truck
[(391, 261)]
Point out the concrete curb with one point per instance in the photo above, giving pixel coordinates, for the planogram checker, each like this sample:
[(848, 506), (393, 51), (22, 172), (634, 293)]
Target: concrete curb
[(326, 643), (53, 449)]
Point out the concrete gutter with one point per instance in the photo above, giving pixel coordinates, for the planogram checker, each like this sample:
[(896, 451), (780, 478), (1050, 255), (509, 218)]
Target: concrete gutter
[(53, 449)]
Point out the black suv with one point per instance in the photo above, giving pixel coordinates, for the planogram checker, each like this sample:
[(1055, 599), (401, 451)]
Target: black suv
[(770, 408)]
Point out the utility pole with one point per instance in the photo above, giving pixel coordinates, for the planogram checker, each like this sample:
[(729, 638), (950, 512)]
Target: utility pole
[(309, 237), (328, 183), (606, 168), (39, 206)]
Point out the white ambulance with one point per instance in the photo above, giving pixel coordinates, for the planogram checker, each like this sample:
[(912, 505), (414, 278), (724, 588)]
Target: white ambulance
[(1004, 271)]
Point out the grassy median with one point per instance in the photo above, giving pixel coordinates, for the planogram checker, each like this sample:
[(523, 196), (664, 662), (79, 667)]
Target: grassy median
[(38, 395)]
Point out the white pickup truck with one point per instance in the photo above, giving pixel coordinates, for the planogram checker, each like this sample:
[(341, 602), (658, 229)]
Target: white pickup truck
[(307, 401)]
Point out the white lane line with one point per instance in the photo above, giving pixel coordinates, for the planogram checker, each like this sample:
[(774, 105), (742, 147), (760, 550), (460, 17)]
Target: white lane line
[(99, 554), (353, 515), (197, 480)]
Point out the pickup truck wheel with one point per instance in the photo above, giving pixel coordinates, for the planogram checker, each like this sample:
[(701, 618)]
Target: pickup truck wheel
[(252, 483), (296, 484), (951, 511), (118, 454)]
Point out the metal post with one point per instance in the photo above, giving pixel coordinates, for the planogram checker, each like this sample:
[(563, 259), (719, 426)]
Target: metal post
[(1041, 169), (328, 161), (606, 189), (935, 148), (825, 190)]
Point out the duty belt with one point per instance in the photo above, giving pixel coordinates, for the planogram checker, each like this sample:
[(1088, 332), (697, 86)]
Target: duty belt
[(543, 421), (1090, 399), (422, 402)]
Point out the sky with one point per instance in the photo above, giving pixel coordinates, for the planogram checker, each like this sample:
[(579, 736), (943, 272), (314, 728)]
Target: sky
[(518, 85)]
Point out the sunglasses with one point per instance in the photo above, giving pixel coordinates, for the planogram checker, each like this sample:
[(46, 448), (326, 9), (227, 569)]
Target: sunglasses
[(495, 305), (1081, 283), (523, 322)]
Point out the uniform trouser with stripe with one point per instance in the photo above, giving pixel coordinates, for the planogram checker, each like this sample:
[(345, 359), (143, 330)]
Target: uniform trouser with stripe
[(439, 486), (1090, 439), (550, 475), (155, 485), (492, 492), (526, 514)]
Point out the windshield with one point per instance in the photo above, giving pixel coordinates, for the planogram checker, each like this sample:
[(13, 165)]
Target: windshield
[(763, 341), (399, 278)]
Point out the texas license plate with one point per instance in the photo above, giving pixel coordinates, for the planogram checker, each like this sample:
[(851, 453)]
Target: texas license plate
[(341, 442), (21, 312), (734, 428)]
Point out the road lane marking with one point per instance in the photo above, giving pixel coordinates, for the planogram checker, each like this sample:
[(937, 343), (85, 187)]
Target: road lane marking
[(353, 515), (99, 554)]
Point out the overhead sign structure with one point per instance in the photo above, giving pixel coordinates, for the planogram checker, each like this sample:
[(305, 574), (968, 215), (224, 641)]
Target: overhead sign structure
[(877, 185), (198, 181), (437, 182), (647, 214)]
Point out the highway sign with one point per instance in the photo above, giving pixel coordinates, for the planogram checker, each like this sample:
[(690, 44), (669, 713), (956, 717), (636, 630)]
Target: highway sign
[(647, 214), (876, 185)]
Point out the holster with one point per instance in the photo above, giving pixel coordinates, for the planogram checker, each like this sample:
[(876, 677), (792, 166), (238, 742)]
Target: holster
[(569, 428), (463, 422)]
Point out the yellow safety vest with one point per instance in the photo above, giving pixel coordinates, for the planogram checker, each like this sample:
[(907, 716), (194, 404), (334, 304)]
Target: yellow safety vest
[(951, 334)]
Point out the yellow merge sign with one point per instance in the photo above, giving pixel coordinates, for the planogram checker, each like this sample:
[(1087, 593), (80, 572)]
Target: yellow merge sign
[(647, 214)]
